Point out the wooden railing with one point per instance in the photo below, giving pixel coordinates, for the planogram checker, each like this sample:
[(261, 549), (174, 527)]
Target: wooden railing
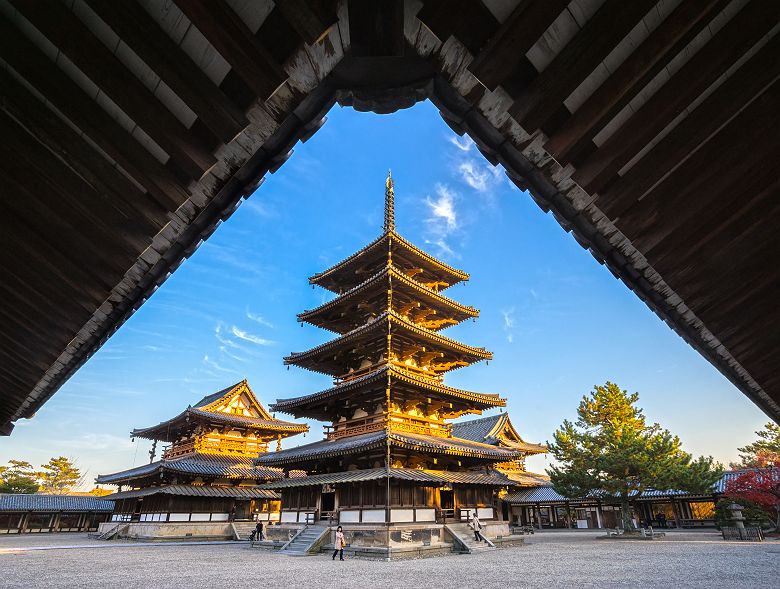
[(216, 444), (179, 450), (354, 427), (397, 422)]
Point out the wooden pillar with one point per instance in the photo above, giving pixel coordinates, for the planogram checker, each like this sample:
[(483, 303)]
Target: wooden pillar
[(599, 520)]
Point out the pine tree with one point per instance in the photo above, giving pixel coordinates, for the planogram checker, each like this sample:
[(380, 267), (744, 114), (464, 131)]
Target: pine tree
[(18, 477), (59, 476), (762, 452), (612, 451)]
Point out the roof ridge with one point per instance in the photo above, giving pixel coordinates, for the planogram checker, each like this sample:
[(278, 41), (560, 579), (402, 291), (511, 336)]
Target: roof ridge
[(394, 270), (389, 235), (392, 315)]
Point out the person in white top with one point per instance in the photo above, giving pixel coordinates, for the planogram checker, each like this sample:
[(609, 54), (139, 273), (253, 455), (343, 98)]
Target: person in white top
[(338, 544), (477, 525)]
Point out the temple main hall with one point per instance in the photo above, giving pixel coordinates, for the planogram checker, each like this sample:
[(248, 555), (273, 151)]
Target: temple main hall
[(206, 473), (390, 467)]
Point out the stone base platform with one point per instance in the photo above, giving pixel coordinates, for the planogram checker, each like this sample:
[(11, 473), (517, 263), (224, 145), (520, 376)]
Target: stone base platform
[(186, 531)]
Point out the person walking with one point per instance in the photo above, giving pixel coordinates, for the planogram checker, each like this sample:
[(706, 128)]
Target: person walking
[(338, 544), (477, 525)]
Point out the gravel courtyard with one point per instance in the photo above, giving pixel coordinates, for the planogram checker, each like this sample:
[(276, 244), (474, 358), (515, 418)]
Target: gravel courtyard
[(562, 559)]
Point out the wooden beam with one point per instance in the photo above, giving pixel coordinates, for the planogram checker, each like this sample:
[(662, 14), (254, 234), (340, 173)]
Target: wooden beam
[(709, 63), (235, 42), (376, 29), (639, 68), (509, 44), (69, 146), (311, 20), (60, 26), (20, 198), (51, 261), (72, 102), (66, 192), (468, 21), (694, 131), (545, 94), (143, 35), (713, 174)]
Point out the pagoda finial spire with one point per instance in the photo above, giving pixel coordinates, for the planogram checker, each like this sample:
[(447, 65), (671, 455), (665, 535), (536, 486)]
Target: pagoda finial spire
[(389, 203)]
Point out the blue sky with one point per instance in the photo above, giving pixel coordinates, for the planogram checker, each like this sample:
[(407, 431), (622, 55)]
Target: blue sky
[(556, 320)]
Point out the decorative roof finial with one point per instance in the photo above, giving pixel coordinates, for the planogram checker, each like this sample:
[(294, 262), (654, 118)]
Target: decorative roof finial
[(389, 204)]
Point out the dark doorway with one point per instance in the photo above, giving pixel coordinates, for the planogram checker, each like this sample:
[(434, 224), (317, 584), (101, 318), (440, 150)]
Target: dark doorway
[(327, 504), (447, 504)]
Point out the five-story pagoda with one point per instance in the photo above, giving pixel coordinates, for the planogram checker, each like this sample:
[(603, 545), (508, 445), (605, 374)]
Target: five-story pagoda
[(389, 456)]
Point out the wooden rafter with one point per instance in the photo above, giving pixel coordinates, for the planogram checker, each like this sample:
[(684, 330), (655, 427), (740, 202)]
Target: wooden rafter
[(144, 36)]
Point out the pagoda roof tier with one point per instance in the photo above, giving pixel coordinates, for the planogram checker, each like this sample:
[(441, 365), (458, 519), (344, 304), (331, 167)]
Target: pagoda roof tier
[(217, 409), (432, 477), (496, 430), (197, 491), (410, 298), (369, 342), (360, 444), (367, 261), (197, 465), (326, 404)]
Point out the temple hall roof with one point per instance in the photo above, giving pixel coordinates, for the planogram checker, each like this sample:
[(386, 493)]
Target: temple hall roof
[(213, 408), (496, 430), (38, 502), (345, 312), (427, 385), (433, 477), (325, 357), (364, 442), (346, 274), (197, 491), (231, 467)]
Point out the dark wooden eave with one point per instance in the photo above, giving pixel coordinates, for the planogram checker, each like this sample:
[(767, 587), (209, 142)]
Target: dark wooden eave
[(648, 131)]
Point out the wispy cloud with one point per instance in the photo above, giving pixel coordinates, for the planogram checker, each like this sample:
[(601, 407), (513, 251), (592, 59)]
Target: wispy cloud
[(222, 339), (258, 319), (471, 167), (260, 208), (96, 441), (246, 336), (463, 143), (479, 175), (509, 323), (212, 364), (230, 354), (443, 218)]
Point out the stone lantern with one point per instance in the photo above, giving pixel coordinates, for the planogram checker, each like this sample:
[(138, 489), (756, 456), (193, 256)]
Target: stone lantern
[(736, 515)]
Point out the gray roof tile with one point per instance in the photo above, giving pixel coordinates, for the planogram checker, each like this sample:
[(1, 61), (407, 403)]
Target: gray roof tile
[(361, 443), (198, 491), (198, 464), (36, 502)]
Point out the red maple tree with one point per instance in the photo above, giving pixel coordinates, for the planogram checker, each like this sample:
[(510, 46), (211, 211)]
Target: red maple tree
[(759, 485)]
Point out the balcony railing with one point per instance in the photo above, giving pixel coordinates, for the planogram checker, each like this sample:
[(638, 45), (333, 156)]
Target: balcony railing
[(216, 444), (400, 423)]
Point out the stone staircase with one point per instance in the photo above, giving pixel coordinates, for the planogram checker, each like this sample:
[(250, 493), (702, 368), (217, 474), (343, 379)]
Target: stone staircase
[(243, 529), (306, 542), (464, 540)]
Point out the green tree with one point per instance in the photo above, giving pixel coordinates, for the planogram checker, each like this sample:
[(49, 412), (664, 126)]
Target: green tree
[(763, 452), (612, 450), (18, 477), (59, 476)]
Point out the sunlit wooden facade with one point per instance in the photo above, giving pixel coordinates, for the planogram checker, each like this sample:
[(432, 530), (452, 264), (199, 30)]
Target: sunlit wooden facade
[(389, 454), (206, 472)]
